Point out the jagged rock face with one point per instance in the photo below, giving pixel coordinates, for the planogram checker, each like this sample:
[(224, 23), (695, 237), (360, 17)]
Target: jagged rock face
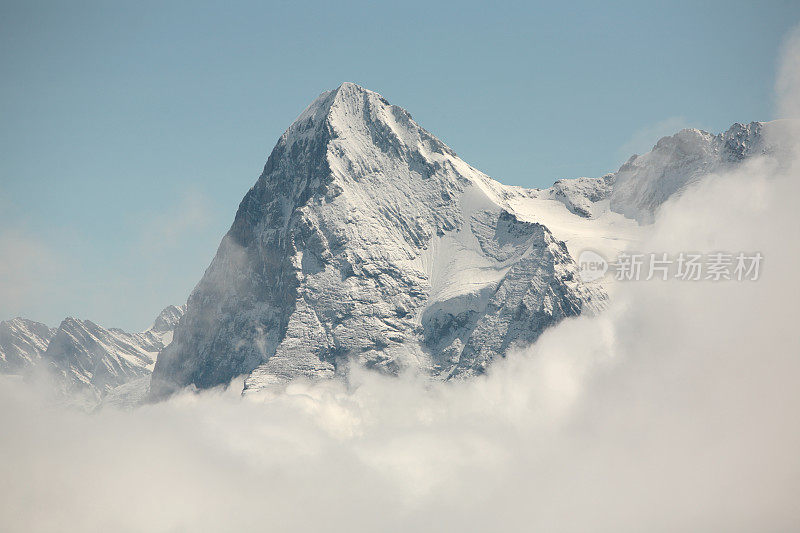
[(367, 239), (87, 355), (82, 357), (22, 343), (581, 195), (164, 324), (645, 182), (539, 289)]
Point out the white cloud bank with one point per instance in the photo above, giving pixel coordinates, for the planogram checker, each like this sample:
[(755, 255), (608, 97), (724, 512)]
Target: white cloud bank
[(676, 410)]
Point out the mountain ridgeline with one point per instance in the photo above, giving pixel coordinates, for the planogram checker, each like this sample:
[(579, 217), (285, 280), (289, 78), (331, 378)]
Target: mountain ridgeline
[(81, 360), (368, 241)]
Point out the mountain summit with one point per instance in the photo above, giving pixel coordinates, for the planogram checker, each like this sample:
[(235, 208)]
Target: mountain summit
[(366, 239)]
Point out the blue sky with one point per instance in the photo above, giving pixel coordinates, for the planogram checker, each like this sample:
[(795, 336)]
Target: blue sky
[(130, 131)]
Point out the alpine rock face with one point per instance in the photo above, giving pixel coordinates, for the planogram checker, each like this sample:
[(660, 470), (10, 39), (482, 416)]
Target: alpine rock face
[(645, 182), (82, 358), (367, 240), (22, 343)]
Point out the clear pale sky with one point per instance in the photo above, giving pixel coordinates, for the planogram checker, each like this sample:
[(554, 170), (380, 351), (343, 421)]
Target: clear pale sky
[(130, 131)]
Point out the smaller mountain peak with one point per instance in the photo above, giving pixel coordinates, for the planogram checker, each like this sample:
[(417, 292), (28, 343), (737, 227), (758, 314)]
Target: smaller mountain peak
[(69, 321), (16, 321), (168, 318), (23, 324)]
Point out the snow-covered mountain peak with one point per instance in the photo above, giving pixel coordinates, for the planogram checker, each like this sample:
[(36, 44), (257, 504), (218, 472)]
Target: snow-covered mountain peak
[(688, 141), (645, 182), (168, 319), (82, 359), (351, 115), (22, 343), (368, 239), (356, 113)]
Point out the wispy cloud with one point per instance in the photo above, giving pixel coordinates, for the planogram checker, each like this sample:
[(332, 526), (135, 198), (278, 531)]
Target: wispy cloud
[(48, 276), (187, 216), (643, 140)]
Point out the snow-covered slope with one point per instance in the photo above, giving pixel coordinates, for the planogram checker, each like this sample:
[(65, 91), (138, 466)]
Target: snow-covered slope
[(577, 212), (82, 357), (367, 239), (22, 343), (606, 214), (645, 182), (86, 355)]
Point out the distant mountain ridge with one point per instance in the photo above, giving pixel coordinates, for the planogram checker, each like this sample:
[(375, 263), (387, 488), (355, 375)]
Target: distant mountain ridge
[(22, 343), (645, 182), (81, 357)]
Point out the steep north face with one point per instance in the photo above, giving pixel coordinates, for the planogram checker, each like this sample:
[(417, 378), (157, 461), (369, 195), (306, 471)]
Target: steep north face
[(366, 239)]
